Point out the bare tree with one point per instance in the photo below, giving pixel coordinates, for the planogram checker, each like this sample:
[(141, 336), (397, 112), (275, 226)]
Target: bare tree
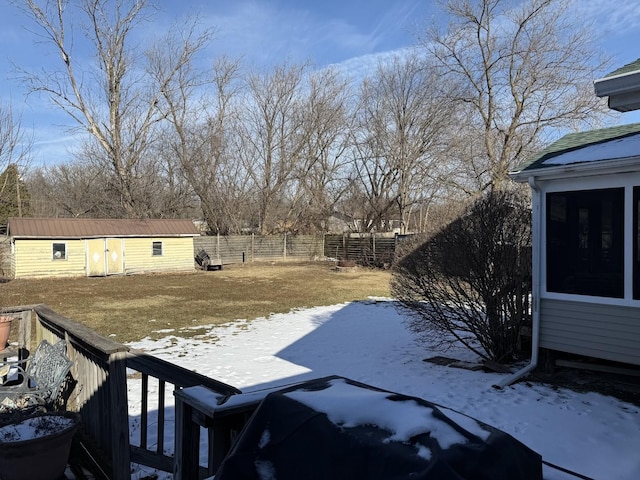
[(524, 69), (112, 98), (170, 195), (15, 156), (321, 172), (74, 189), (399, 124), (274, 138), (85, 187), (201, 137)]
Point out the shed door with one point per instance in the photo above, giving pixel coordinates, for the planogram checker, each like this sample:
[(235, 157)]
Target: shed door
[(104, 257), (96, 262), (115, 259)]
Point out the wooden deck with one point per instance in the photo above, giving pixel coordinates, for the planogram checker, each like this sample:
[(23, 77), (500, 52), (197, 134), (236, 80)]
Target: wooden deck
[(98, 391)]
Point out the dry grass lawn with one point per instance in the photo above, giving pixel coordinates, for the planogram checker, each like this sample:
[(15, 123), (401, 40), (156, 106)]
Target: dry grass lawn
[(131, 307)]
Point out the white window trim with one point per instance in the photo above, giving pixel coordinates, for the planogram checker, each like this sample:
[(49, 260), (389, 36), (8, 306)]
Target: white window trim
[(626, 180)]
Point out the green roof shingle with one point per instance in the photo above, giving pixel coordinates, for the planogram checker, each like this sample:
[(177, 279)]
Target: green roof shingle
[(577, 140), (628, 68)]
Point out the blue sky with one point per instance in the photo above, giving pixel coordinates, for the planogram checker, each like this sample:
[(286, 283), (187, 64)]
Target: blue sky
[(353, 33)]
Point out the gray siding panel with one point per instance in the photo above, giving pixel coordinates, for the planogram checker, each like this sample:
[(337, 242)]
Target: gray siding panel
[(574, 327), (602, 331)]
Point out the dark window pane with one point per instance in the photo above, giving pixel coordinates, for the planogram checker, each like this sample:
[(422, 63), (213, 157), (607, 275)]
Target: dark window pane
[(59, 251), (585, 242), (636, 243), (157, 249)]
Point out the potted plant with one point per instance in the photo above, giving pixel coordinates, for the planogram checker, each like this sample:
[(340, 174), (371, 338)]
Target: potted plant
[(5, 329), (35, 445)]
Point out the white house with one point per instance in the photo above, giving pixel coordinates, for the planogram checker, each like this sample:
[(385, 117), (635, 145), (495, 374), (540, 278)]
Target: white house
[(586, 229)]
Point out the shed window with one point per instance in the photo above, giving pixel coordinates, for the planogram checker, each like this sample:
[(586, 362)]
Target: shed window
[(585, 242), (59, 251), (157, 249)]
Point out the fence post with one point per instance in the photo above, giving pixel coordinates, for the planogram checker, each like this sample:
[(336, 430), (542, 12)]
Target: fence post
[(373, 241)]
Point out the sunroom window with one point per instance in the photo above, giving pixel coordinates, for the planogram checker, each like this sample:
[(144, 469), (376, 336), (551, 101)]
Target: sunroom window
[(636, 243), (585, 242)]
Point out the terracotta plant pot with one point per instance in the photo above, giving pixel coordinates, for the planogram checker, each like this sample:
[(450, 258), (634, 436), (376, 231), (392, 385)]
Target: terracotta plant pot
[(5, 329), (41, 457)]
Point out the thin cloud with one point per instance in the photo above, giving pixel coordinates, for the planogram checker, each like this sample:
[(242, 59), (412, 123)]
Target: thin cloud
[(357, 68), (612, 16), (264, 33), (52, 148), (346, 35), (261, 33), (399, 17)]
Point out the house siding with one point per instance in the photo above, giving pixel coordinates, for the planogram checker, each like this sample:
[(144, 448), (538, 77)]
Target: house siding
[(601, 331), (177, 255), (33, 258)]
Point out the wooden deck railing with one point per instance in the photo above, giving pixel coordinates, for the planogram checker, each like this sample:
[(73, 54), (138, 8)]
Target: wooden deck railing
[(223, 417), (176, 377), (101, 371)]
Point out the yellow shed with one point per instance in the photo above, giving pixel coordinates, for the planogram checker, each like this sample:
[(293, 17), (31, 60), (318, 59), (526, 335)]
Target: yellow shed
[(55, 247)]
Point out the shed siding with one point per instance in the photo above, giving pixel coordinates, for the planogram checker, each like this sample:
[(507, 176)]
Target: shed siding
[(33, 258), (601, 331), (177, 255)]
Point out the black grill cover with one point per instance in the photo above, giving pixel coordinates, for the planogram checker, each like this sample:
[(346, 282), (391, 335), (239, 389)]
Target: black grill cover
[(289, 440)]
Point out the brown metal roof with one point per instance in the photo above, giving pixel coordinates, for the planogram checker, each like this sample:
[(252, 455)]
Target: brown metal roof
[(98, 227)]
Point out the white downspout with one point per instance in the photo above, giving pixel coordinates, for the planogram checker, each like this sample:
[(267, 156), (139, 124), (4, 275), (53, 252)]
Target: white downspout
[(535, 286)]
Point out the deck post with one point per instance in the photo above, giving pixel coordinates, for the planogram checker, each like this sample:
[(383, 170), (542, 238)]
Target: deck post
[(24, 334), (120, 453), (187, 441)]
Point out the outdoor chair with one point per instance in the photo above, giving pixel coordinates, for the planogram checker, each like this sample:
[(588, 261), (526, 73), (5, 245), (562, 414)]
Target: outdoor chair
[(40, 377)]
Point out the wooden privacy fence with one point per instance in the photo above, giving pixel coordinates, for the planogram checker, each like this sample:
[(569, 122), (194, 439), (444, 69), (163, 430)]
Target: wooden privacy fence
[(368, 249), (376, 249), (256, 248)]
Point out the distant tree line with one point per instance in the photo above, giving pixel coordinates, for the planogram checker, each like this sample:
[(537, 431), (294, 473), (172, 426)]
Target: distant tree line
[(169, 133)]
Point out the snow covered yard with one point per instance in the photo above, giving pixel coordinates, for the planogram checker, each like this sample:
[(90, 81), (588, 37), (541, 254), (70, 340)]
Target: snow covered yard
[(589, 433)]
